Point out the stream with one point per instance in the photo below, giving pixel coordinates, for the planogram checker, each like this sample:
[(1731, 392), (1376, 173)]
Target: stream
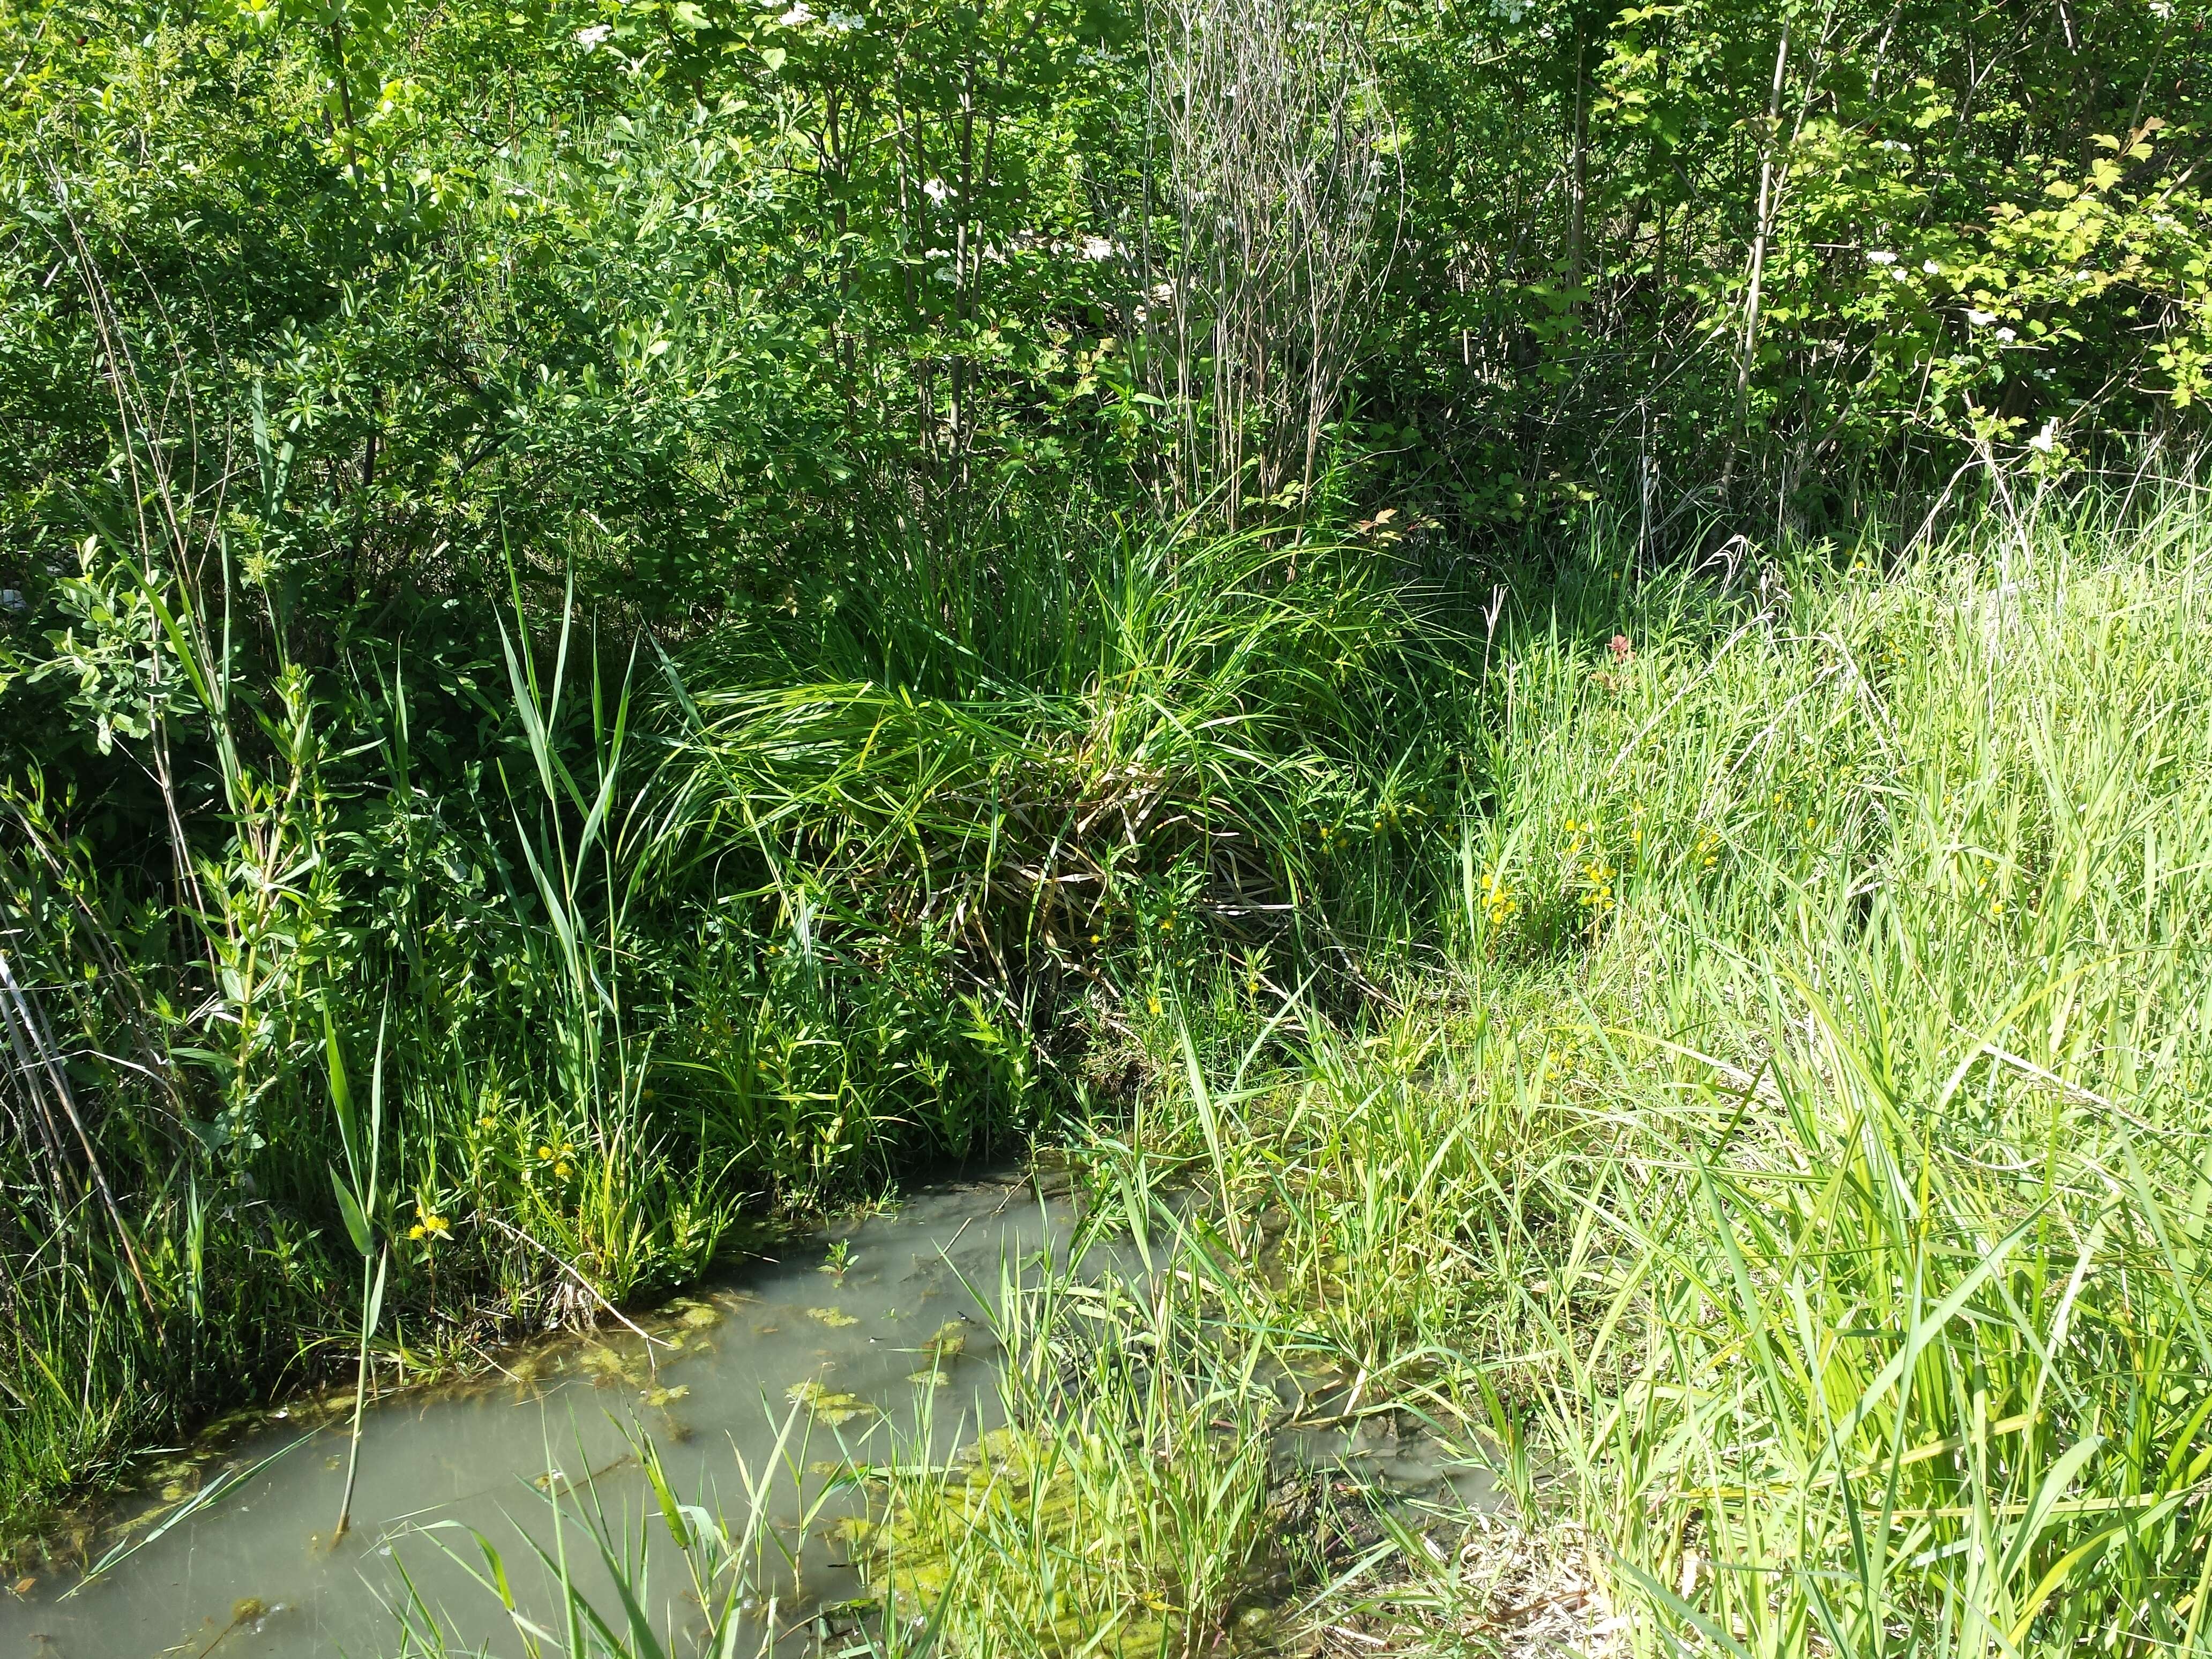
[(851, 1352)]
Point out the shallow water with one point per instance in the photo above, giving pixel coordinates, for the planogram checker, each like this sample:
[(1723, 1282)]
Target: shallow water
[(858, 1348), (853, 1360)]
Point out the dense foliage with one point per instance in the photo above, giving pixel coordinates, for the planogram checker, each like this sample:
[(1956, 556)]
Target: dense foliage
[(1820, 247), (697, 596)]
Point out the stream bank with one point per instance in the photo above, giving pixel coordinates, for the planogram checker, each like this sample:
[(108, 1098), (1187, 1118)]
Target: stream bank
[(791, 1377)]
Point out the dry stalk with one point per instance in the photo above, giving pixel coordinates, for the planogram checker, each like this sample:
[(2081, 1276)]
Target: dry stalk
[(1280, 162)]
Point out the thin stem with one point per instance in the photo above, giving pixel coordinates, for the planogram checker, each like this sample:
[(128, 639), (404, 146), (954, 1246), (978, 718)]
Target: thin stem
[(369, 1299)]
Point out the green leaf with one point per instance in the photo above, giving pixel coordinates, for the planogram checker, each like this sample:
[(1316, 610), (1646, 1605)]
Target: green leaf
[(356, 1221), (671, 1512), (341, 1095), (372, 1315)]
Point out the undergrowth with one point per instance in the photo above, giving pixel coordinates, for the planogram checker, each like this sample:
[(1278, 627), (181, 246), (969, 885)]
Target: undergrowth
[(705, 930), (1785, 1166)]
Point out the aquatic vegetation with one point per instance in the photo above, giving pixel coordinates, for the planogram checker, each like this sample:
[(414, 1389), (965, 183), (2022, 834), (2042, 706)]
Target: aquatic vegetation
[(827, 1405)]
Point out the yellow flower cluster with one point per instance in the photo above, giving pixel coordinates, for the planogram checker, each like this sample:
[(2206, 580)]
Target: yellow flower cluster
[(1500, 903), (1996, 904), (1598, 893), (558, 1158), (429, 1224), (489, 1101), (1597, 870)]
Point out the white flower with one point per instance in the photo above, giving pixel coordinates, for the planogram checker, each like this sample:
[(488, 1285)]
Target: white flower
[(1901, 274), (1980, 318), (936, 190), (591, 38), (800, 13), (1097, 247), (2045, 439), (1931, 267), (846, 21), (2006, 335), (1881, 256)]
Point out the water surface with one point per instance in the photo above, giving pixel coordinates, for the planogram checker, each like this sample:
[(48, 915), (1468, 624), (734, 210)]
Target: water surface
[(254, 1574), (866, 1340)]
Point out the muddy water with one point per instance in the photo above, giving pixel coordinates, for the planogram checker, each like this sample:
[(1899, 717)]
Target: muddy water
[(254, 1573), (859, 1338)]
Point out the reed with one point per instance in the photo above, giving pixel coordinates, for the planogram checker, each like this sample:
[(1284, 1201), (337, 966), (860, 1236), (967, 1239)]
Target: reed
[(1787, 1176)]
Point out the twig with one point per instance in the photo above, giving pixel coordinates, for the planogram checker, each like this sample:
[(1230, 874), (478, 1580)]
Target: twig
[(590, 1290), (34, 1053)]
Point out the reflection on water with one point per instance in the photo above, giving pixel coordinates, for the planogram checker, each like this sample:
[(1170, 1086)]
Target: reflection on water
[(254, 1573)]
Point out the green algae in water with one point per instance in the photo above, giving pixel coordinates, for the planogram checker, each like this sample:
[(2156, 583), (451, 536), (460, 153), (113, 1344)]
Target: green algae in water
[(456, 1454), (827, 1406), (1008, 1489), (941, 1350)]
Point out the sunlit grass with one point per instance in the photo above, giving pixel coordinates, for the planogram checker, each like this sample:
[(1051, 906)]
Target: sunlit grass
[(1801, 1177), (1731, 1054), (1788, 1171)]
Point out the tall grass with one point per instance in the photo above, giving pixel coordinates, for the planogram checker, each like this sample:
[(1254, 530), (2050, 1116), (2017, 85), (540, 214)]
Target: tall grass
[(1786, 1168), (1804, 1185), (1122, 1509), (685, 929), (1743, 1077)]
